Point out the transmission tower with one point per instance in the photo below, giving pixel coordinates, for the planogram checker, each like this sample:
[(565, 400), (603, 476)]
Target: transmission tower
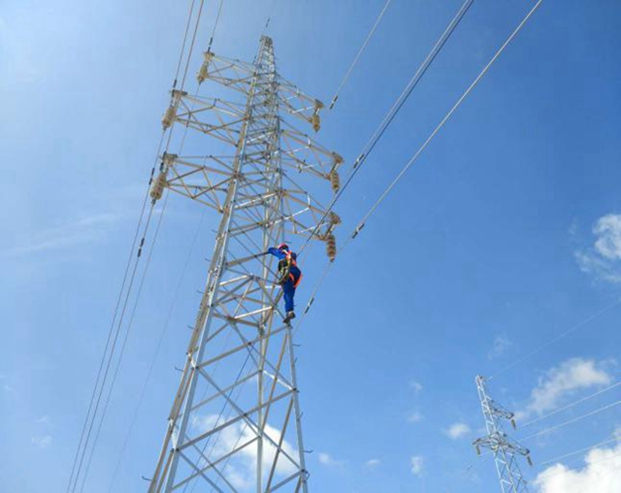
[(235, 423), (505, 449)]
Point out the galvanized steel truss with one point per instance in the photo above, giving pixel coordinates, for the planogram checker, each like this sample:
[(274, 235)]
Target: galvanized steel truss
[(504, 449), (235, 422)]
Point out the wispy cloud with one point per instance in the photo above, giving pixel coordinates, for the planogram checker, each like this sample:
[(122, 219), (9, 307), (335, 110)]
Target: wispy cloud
[(417, 465), (415, 417), (416, 386), (600, 474), (42, 442), (457, 431), (81, 231), (603, 258), (565, 380), (44, 420), (328, 460), (4, 383), (501, 345), (372, 463)]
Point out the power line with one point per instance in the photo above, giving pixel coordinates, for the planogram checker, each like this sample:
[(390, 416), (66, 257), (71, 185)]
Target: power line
[(110, 331), (124, 344), (155, 354), (419, 152), (405, 94), (571, 421), (414, 158), (187, 64), (111, 355), (113, 334), (584, 449), (565, 471), (215, 25), (359, 54), (185, 38), (269, 18), (394, 110), (575, 403), (559, 337)]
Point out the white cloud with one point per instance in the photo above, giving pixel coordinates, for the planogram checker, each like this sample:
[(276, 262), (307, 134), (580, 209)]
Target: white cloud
[(241, 469), (328, 460), (415, 417), (600, 474), (372, 463), (44, 420), (81, 231), (417, 464), (608, 231), (568, 378), (5, 385), (418, 387), (42, 442), (457, 430), (603, 259), (501, 345)]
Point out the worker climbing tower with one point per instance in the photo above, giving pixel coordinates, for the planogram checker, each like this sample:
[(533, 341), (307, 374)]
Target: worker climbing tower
[(505, 449), (235, 423)]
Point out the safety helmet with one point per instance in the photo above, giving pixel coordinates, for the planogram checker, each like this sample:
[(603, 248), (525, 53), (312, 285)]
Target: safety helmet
[(283, 246)]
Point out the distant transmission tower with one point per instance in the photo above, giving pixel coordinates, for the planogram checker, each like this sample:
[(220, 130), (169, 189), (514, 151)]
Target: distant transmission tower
[(235, 420), (504, 449)]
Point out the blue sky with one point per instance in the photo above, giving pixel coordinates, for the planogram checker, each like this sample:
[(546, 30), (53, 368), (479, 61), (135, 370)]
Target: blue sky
[(506, 233)]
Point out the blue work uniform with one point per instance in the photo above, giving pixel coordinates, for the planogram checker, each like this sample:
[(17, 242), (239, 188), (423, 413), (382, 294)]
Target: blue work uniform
[(289, 274)]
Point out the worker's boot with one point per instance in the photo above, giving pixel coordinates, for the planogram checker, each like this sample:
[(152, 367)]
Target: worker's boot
[(290, 316)]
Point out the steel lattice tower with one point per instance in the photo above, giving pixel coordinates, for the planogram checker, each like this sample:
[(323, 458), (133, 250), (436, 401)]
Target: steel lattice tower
[(505, 450), (235, 424)]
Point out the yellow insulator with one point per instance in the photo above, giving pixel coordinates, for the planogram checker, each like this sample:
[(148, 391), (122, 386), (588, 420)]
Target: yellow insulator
[(169, 116), (157, 189), (171, 111), (203, 72), (335, 181), (316, 121), (331, 247)]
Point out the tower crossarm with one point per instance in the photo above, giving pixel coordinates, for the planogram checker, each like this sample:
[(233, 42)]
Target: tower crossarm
[(229, 72), (237, 75), (498, 440), (235, 422), (504, 449), (300, 105)]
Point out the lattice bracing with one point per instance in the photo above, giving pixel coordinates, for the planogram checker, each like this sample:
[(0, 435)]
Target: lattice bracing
[(235, 424), (505, 450)]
